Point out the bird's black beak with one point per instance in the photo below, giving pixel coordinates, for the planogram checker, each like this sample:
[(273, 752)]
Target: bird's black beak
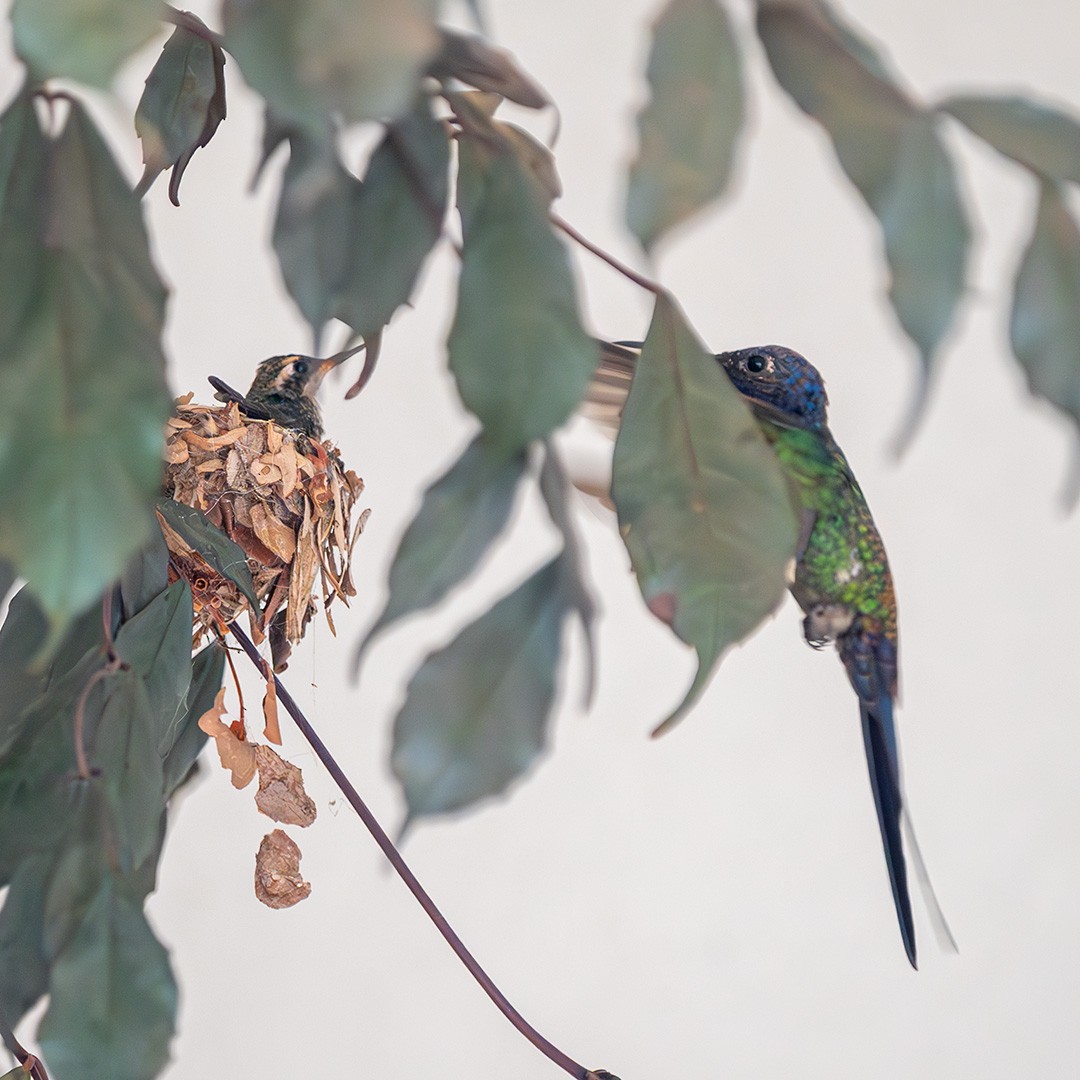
[(331, 362)]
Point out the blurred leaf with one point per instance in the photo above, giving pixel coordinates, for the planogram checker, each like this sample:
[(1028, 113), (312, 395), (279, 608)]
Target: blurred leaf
[(82, 387), (890, 149), (927, 238), (398, 216), (25, 682), (86, 40), (24, 970), (689, 127), (112, 996), (703, 505), (471, 60), (476, 712), (556, 490), (156, 644), (314, 233), (207, 672), (1045, 324), (322, 57), (7, 579), (145, 576), (220, 553), (181, 107), (517, 348), (1039, 136), (123, 746), (461, 513)]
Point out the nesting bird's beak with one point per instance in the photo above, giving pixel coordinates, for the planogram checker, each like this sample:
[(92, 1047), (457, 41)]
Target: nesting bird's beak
[(323, 366)]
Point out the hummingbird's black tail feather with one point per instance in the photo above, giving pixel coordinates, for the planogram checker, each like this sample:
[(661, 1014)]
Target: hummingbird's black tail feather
[(884, 783)]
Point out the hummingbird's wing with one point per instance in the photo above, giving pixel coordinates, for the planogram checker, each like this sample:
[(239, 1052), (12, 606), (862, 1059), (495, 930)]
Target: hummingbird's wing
[(606, 397)]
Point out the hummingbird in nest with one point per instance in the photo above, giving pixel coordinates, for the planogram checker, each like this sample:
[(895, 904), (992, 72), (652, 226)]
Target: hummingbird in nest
[(284, 390), (841, 581)]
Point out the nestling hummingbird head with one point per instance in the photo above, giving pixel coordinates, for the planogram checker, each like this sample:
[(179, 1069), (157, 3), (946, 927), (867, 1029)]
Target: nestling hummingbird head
[(284, 388), (782, 381)]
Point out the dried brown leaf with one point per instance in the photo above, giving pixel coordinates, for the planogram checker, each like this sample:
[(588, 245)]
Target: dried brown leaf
[(278, 883), (236, 755), (272, 730), (281, 795), (275, 534)]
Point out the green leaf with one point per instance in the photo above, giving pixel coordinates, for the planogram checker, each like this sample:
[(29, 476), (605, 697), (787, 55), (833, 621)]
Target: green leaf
[(220, 553), (7, 579), (145, 576), (891, 151), (112, 996), (399, 213), (314, 228), (703, 505), (24, 969), (311, 60), (82, 388), (927, 238), (517, 348), (85, 40), (208, 669), (1045, 323), (1038, 136), (181, 107), (156, 643), (471, 60), (556, 490), (461, 514), (689, 127), (476, 712)]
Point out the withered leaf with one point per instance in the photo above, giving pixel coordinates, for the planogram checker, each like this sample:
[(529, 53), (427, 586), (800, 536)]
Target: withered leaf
[(281, 795), (278, 883), (272, 731), (236, 755)]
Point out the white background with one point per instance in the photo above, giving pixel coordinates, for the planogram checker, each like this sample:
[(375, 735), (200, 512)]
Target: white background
[(713, 904)]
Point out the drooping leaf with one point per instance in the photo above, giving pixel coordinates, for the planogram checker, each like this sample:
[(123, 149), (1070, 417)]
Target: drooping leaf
[(24, 680), (399, 212), (85, 40), (890, 149), (145, 576), (24, 971), (689, 127), (1039, 136), (556, 490), (156, 644), (7, 578), (312, 60), (314, 235), (82, 387), (476, 712), (520, 356), (703, 505), (221, 553), (1045, 322), (181, 107), (471, 60), (112, 996), (461, 513), (206, 675)]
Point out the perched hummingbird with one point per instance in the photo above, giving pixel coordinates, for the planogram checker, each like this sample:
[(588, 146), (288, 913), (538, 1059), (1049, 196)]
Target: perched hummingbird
[(284, 389), (842, 580)]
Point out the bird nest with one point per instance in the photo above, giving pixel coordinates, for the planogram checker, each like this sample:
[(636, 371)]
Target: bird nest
[(286, 499)]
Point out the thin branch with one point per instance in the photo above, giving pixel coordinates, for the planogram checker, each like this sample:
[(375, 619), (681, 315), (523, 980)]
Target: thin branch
[(30, 1062), (616, 264), (398, 863), (192, 24)]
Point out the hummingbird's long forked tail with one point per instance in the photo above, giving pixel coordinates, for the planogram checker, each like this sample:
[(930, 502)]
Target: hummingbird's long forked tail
[(876, 720)]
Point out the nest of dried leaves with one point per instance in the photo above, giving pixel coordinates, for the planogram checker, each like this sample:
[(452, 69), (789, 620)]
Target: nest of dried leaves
[(287, 500)]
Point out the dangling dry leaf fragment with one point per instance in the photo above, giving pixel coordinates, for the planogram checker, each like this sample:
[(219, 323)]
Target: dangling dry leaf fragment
[(281, 795), (278, 883), (272, 731), (236, 755)]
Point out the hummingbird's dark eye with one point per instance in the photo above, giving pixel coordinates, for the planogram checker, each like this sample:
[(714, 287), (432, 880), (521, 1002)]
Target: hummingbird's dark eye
[(299, 367), (755, 363)]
